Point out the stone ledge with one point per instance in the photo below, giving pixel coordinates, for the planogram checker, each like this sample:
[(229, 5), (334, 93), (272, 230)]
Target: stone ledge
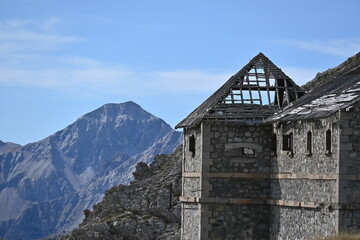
[(287, 203), (274, 176)]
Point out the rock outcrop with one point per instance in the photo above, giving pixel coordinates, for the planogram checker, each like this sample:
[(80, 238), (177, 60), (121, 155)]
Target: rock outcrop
[(148, 208)]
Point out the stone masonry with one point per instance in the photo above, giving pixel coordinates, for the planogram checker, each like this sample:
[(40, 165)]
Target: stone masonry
[(287, 169)]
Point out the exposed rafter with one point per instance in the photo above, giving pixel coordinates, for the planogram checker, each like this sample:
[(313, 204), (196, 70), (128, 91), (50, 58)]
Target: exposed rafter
[(250, 96)]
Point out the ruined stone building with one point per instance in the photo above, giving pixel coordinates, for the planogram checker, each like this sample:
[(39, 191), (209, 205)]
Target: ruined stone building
[(263, 159)]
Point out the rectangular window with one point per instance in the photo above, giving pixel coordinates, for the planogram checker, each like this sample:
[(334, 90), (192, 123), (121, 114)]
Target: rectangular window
[(288, 142), (192, 144)]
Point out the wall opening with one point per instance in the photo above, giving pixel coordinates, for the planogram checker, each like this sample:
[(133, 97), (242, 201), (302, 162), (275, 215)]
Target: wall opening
[(288, 142), (248, 152), (273, 144), (242, 152), (309, 143), (192, 144), (328, 142)]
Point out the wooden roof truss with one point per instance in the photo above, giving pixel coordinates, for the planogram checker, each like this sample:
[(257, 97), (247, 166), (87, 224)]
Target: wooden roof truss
[(254, 93)]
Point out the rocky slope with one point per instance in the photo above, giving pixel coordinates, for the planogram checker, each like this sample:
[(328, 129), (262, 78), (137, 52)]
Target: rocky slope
[(146, 209), (8, 147), (350, 66), (46, 185)]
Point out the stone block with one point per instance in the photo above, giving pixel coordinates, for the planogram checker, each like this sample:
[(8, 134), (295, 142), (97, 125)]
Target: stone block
[(344, 138), (346, 116), (344, 123), (346, 147), (347, 131)]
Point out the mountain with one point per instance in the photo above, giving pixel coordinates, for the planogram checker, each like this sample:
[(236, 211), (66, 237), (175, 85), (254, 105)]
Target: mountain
[(8, 147), (46, 185), (147, 209)]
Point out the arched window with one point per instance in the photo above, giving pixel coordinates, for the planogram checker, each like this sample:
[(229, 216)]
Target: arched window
[(328, 142), (309, 143)]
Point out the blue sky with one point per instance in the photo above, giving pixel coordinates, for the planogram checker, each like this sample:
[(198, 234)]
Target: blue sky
[(60, 59)]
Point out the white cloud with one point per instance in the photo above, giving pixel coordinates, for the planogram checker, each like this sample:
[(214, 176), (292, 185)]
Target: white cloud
[(339, 47)]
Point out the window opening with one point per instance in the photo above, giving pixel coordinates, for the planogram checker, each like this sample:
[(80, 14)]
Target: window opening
[(273, 144), (288, 142), (309, 143), (272, 81), (248, 152), (242, 152), (328, 142), (192, 144)]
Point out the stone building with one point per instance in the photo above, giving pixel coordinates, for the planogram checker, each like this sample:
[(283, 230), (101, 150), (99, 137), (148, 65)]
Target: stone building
[(263, 159)]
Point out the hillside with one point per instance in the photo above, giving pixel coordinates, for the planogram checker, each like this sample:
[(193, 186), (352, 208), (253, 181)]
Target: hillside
[(350, 66), (146, 209)]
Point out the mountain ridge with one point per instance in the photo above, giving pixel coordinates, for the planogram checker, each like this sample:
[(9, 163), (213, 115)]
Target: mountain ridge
[(55, 178)]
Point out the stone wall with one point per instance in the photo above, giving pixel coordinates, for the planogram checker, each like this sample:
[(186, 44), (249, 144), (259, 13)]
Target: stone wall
[(315, 181), (228, 137), (294, 223), (192, 163), (190, 221), (191, 186), (307, 190), (240, 188), (239, 149), (349, 189), (231, 221), (300, 161)]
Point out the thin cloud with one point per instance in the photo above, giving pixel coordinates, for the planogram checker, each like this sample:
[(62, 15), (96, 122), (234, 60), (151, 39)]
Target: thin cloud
[(339, 47), (51, 23), (26, 63), (17, 36), (90, 75)]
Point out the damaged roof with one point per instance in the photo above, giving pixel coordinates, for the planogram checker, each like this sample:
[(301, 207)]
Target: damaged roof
[(335, 89), (253, 94)]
